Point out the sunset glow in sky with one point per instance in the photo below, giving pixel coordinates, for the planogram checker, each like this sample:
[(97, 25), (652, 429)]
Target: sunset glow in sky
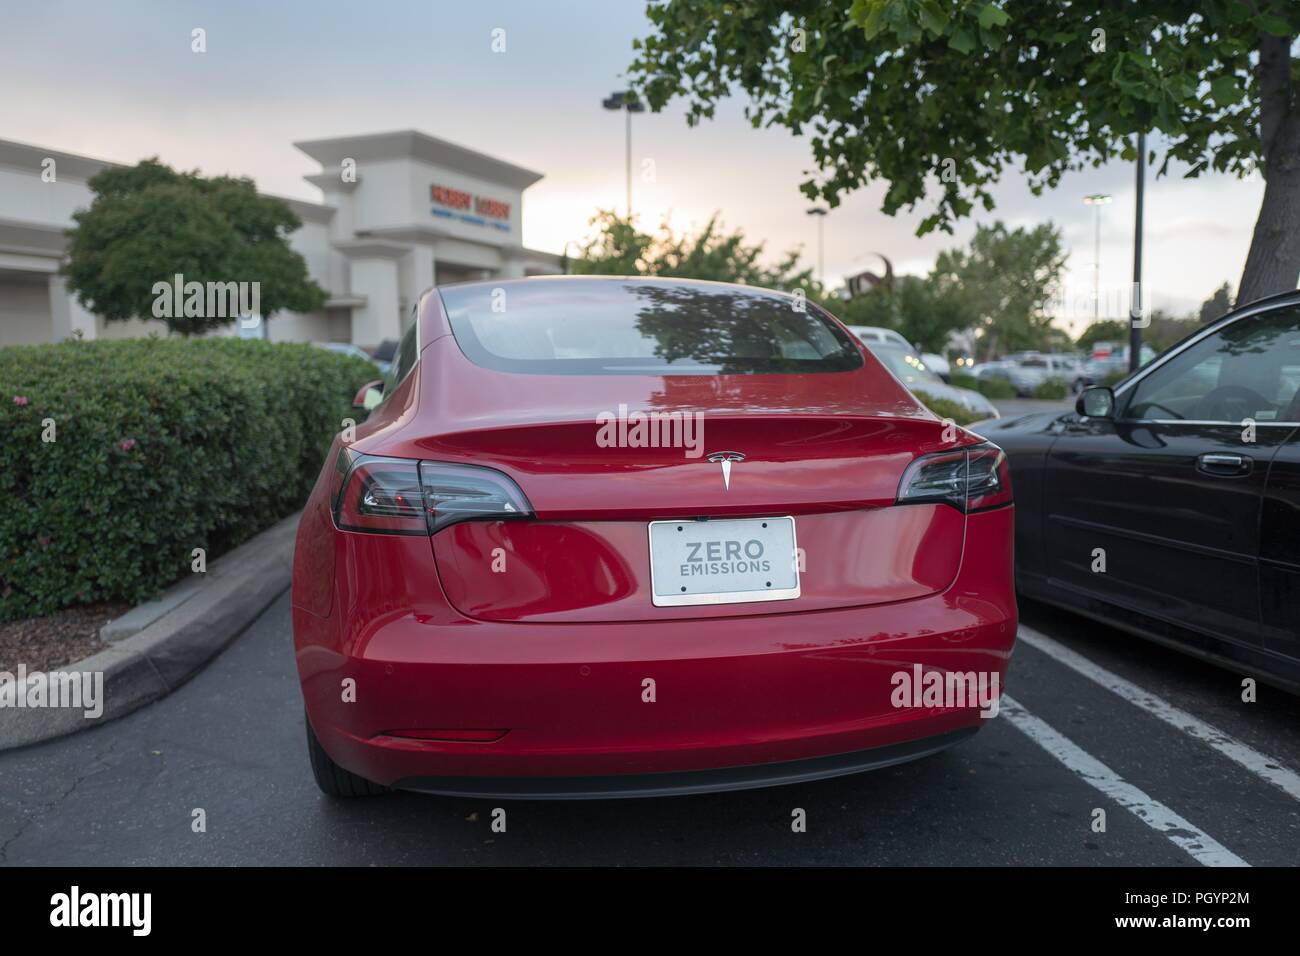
[(118, 81)]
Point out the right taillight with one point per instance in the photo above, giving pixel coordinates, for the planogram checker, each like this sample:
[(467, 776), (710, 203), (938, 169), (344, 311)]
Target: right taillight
[(970, 479), (405, 496)]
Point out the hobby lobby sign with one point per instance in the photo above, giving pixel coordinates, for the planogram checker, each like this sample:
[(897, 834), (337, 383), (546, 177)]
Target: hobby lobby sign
[(466, 201)]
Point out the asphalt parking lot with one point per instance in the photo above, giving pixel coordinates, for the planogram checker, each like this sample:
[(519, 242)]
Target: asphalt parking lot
[(1186, 773)]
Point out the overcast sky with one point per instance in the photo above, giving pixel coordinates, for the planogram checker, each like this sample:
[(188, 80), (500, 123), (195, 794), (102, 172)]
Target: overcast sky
[(116, 79)]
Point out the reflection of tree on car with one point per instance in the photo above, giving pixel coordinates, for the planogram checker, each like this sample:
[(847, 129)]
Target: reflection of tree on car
[(737, 333)]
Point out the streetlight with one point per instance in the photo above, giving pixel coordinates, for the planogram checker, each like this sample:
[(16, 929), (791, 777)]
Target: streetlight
[(820, 213), (566, 264), (1096, 200), (1134, 329), (626, 100)]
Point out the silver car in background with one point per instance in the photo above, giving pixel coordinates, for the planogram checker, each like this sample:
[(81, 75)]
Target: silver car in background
[(908, 368), (1101, 368), (938, 364), (1029, 370), (872, 335)]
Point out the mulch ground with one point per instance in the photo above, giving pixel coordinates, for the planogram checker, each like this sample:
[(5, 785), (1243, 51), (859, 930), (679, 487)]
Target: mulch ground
[(45, 643)]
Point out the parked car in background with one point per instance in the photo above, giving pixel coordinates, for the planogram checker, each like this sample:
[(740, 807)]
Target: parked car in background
[(384, 353), (913, 373), (502, 555), (1169, 506), (1028, 370), (986, 371), (874, 335), (1107, 365), (345, 348), (938, 365)]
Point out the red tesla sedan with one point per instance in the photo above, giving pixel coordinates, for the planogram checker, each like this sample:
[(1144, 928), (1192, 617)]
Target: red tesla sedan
[(626, 537)]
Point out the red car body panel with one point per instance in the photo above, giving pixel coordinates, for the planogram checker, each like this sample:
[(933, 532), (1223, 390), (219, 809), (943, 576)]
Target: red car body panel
[(545, 665), (600, 570)]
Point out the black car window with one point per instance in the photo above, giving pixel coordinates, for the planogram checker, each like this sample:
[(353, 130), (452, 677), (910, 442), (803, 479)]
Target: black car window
[(643, 327), (408, 349), (1248, 369)]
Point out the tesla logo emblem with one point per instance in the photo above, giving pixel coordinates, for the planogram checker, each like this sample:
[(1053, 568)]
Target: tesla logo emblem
[(725, 458)]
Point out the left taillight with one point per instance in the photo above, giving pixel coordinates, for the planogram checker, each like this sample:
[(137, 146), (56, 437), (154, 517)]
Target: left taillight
[(382, 495), (971, 479), (405, 496)]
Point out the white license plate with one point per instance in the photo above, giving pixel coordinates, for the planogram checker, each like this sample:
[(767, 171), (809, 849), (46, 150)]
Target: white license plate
[(723, 561)]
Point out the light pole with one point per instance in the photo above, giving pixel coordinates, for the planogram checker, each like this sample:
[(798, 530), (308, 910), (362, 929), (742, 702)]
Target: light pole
[(1135, 310), (820, 213), (566, 264), (1096, 200), (626, 100)]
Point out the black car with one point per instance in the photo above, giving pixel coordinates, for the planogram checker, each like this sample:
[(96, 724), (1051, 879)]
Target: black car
[(1169, 506)]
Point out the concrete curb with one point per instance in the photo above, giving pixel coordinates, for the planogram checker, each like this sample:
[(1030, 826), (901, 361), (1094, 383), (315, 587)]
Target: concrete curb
[(152, 663)]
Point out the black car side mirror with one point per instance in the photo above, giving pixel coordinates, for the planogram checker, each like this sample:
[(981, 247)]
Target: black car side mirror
[(1096, 402)]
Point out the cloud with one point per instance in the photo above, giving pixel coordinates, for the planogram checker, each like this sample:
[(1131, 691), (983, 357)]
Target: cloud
[(119, 81)]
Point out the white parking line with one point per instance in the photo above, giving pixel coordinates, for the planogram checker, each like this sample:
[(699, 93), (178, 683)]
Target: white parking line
[(1262, 765), (1202, 847)]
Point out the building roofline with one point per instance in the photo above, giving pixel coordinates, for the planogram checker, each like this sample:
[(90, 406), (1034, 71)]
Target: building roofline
[(412, 144), (307, 210), (75, 166)]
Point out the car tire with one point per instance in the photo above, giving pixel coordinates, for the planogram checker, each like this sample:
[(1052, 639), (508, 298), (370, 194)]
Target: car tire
[(332, 779)]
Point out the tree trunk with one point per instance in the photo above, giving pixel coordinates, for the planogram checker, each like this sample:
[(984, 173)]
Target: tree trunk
[(1273, 263)]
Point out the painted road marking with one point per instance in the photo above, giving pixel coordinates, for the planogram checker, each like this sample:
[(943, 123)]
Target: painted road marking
[(1261, 765), (1200, 845)]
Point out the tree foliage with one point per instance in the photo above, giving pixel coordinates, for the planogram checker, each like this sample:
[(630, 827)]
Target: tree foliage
[(1105, 330), (1006, 280), (943, 98), (1001, 285), (1218, 304), (618, 247), (148, 223), (924, 313), (1162, 331)]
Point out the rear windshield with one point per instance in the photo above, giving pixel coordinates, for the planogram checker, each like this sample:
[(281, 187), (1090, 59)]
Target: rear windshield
[(616, 327)]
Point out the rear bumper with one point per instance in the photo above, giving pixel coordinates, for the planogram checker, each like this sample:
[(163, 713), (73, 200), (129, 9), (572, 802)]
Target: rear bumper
[(659, 706), (748, 777)]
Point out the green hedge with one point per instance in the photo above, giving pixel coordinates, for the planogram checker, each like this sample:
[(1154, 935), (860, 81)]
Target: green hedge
[(947, 408), (996, 388), (161, 446), (1052, 388)]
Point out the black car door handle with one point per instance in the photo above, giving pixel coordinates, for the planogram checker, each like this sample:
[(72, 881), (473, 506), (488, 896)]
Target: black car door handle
[(1224, 465)]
